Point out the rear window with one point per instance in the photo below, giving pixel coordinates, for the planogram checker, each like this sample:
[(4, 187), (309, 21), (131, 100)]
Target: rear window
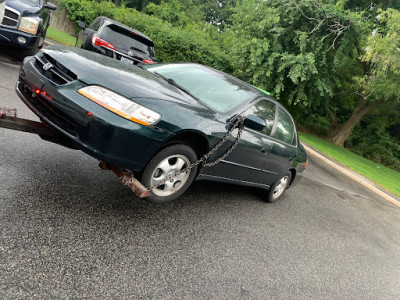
[(31, 2), (124, 39)]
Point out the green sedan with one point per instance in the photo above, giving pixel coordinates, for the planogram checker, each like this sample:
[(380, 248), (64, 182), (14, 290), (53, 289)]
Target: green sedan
[(169, 124)]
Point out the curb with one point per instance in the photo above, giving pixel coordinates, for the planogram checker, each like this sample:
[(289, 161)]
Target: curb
[(351, 174), (47, 43)]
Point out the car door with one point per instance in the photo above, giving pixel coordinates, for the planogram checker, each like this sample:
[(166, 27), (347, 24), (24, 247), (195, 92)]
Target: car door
[(251, 161), (284, 146)]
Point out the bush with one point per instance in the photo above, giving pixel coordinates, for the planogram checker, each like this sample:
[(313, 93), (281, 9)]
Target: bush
[(377, 145), (316, 124)]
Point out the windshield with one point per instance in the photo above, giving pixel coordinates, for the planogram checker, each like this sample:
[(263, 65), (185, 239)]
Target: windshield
[(125, 41), (217, 90)]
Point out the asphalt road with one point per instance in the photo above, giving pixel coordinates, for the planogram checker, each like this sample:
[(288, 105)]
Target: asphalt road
[(69, 230)]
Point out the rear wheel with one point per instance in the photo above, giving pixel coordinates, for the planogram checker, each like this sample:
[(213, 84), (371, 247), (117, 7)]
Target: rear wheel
[(169, 161), (87, 44), (279, 187)]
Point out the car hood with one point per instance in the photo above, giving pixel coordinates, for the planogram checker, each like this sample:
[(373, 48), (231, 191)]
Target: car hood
[(128, 80), (23, 7)]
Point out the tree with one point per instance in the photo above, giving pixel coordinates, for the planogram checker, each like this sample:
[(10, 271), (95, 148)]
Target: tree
[(178, 13), (377, 136), (218, 12), (139, 4), (291, 48), (379, 83)]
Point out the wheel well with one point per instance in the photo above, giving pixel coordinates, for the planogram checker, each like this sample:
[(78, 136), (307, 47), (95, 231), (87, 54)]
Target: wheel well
[(293, 172), (194, 140)]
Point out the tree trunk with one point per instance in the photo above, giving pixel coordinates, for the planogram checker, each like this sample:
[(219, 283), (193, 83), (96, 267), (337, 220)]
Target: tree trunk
[(340, 133)]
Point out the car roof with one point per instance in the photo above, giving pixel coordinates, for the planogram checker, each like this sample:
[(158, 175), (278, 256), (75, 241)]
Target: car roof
[(111, 21)]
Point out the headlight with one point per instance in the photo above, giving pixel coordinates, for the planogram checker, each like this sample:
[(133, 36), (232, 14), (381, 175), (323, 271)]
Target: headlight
[(120, 105), (29, 25)]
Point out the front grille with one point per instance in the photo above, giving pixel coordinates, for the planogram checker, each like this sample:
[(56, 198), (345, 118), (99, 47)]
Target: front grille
[(11, 18), (57, 73), (48, 110)]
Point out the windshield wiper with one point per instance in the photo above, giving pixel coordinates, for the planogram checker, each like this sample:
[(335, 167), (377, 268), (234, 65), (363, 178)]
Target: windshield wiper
[(173, 82)]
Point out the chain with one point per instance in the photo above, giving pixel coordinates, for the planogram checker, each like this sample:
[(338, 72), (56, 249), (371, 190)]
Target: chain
[(203, 159)]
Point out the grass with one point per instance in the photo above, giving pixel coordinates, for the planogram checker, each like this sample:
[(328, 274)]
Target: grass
[(60, 37), (381, 175)]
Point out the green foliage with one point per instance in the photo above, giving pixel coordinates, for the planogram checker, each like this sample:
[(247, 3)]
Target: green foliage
[(177, 13), (383, 57), (372, 140), (218, 12), (368, 5), (291, 48), (316, 124), (139, 5)]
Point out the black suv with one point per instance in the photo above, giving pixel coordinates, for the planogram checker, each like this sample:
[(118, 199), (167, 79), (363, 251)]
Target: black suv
[(116, 40), (24, 25)]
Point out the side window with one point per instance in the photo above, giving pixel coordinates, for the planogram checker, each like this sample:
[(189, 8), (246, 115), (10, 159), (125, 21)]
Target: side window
[(98, 24), (284, 128), (265, 110), (95, 25)]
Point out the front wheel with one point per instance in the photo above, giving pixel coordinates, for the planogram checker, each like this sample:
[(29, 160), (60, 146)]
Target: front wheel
[(168, 162), (279, 187)]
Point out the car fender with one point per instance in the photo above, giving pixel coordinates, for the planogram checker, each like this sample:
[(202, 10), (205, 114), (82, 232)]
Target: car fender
[(197, 140)]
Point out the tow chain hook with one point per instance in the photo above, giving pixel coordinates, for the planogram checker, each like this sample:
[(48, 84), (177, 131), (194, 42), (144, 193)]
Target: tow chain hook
[(127, 179)]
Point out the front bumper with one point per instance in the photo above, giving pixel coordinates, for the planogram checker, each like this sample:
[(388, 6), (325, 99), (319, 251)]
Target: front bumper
[(9, 38), (94, 129)]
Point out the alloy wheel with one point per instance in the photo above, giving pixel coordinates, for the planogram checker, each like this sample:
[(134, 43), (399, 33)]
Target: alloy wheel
[(171, 165), (280, 187)]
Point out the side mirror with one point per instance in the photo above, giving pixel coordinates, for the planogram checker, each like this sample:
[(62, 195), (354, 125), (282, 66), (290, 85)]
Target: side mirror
[(81, 24), (50, 6), (254, 122)]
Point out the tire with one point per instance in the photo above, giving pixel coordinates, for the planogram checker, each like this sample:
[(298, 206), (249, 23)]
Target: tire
[(279, 187), (167, 161), (87, 44)]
